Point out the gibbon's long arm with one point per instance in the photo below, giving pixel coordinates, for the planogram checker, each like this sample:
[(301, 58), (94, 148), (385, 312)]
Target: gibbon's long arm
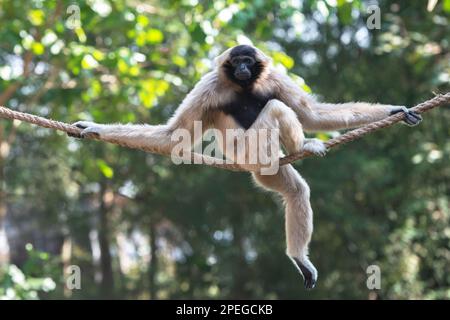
[(193, 108), (316, 116)]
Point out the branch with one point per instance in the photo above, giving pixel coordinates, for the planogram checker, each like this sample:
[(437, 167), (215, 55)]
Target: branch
[(8, 93)]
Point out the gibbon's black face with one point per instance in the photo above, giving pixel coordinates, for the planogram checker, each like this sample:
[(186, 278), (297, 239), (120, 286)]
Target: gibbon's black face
[(242, 66)]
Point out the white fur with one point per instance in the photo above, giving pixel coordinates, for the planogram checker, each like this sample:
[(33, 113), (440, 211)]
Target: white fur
[(293, 112)]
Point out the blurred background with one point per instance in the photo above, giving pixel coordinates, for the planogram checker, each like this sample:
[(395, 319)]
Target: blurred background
[(140, 227)]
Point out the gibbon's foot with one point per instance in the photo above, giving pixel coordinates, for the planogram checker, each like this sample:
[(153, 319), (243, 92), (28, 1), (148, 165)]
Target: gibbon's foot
[(90, 129), (308, 271), (412, 118), (315, 146)]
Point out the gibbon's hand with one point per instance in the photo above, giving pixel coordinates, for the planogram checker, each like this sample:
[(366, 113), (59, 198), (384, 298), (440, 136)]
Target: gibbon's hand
[(308, 271), (90, 129), (412, 118)]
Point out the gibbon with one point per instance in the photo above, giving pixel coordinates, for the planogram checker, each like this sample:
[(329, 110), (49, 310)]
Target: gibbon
[(244, 91)]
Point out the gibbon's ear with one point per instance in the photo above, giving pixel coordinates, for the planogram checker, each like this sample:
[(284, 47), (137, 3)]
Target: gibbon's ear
[(219, 60), (261, 57)]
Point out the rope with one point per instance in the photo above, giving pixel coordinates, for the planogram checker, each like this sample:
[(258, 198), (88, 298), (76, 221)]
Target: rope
[(438, 100)]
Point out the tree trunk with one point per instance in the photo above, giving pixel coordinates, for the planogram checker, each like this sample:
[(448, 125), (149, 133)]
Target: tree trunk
[(4, 247), (66, 258), (153, 266), (240, 268), (107, 283)]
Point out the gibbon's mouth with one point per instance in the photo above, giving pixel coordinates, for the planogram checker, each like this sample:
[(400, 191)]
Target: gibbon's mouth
[(242, 75)]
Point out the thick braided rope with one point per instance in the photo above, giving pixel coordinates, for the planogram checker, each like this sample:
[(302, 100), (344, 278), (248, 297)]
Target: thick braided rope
[(438, 100)]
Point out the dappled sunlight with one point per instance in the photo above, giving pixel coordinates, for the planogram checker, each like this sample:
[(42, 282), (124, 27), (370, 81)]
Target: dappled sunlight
[(137, 226)]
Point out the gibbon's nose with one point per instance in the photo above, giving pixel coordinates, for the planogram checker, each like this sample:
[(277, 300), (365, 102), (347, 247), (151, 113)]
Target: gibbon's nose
[(242, 73)]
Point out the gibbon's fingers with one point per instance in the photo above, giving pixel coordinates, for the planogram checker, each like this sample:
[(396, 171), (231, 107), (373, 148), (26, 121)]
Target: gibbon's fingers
[(412, 118), (74, 135), (308, 271)]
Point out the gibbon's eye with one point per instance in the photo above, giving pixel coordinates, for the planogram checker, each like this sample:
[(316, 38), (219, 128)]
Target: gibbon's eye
[(248, 61), (238, 60), (235, 61)]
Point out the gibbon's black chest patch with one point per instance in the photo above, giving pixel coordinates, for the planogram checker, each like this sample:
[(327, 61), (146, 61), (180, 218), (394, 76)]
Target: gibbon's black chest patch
[(246, 107)]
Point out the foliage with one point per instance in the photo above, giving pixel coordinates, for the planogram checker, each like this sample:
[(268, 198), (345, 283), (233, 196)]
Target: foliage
[(140, 227), (27, 282)]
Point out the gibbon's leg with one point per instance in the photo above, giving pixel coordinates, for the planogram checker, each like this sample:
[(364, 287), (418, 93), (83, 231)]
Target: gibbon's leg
[(258, 151), (299, 225), (290, 185), (277, 115), (327, 116)]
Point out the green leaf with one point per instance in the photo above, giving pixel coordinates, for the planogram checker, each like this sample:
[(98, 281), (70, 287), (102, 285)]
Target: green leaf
[(154, 36), (323, 136), (197, 33), (36, 17), (151, 89), (142, 20), (284, 59), (179, 61), (96, 88), (89, 62), (345, 13), (446, 6), (134, 71), (306, 88), (98, 55), (38, 48), (122, 66), (106, 170), (141, 39), (81, 35)]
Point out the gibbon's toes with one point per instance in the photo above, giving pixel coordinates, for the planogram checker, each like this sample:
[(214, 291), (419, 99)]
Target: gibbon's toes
[(80, 125), (315, 146), (90, 129), (308, 271)]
